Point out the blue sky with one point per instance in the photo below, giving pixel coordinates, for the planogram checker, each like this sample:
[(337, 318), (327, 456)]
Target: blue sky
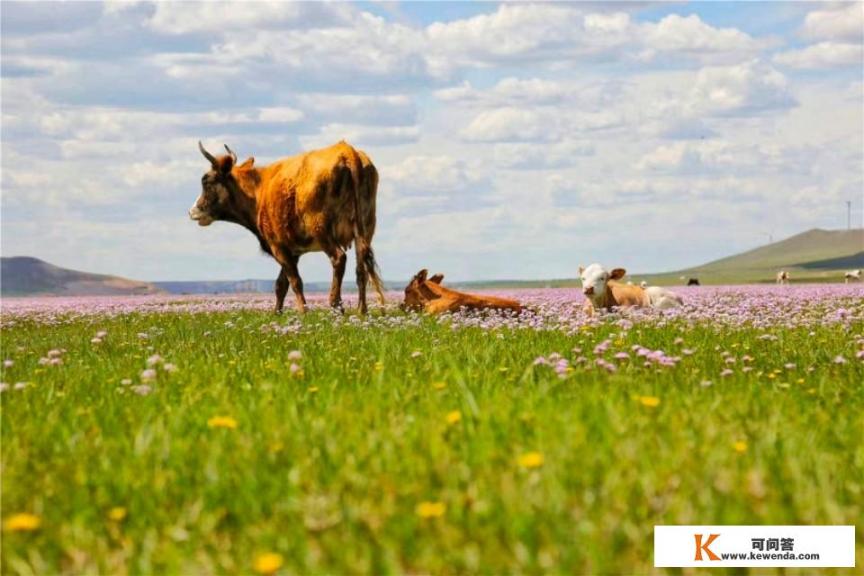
[(513, 140)]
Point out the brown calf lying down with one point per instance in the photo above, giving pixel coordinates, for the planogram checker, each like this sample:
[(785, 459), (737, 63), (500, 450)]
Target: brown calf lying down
[(427, 294)]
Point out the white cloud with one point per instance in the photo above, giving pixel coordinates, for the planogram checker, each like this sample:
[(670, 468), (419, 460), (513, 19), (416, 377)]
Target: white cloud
[(508, 91), (279, 115), (312, 57), (691, 36), (217, 17), (743, 89), (541, 156), (431, 174), (538, 124), (844, 21), (823, 55), (722, 157), (566, 35), (512, 124), (361, 135)]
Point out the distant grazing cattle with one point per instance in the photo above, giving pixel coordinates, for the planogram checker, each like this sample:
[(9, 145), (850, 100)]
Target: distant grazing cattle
[(319, 201), (852, 276), (427, 294), (603, 291), (692, 282), (782, 277)]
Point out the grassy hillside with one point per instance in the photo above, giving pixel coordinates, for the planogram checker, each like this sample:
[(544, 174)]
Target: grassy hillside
[(812, 256), (22, 275)]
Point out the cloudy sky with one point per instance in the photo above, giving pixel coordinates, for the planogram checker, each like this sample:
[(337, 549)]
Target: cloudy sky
[(512, 140)]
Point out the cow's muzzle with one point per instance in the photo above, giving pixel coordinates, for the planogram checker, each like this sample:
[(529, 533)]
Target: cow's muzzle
[(588, 291), (202, 218)]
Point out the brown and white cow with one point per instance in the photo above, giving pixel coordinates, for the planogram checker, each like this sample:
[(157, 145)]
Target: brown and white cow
[(319, 201), (782, 277), (427, 294), (852, 276), (603, 291)]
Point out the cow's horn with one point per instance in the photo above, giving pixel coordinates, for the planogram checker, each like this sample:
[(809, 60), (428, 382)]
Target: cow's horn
[(206, 154), (231, 153)]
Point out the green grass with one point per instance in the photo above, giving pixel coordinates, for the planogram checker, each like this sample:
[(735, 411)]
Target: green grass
[(327, 468)]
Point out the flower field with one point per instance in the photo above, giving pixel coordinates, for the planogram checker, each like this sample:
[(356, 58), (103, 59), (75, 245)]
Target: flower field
[(193, 434)]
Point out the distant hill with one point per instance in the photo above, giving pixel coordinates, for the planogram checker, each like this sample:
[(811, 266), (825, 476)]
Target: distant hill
[(812, 256), (23, 276)]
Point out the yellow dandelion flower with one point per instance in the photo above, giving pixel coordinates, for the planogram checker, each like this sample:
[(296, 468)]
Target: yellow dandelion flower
[(454, 417), (800, 381), (268, 563), (772, 376), (117, 513), (740, 446), (276, 447), (439, 385), (531, 460), (222, 422), (649, 401), (313, 389), (430, 509), (22, 522), (379, 366)]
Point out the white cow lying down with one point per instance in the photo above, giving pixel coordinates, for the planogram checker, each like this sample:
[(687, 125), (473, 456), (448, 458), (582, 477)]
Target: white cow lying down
[(603, 291)]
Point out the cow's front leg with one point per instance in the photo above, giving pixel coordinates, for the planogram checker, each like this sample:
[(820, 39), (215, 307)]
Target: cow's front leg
[(293, 274), (282, 284), (338, 259)]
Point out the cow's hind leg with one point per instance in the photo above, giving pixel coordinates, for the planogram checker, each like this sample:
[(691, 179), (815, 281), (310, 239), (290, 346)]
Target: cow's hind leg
[(338, 259), (282, 284), (362, 277)]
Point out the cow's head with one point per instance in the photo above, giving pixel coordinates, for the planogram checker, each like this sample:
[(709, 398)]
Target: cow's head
[(595, 277), (216, 186), (417, 294)]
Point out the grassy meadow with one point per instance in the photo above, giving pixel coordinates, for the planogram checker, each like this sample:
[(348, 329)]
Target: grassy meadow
[(234, 441)]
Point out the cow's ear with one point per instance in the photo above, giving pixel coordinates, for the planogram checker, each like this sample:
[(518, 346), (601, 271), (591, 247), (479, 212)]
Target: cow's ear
[(247, 164), (581, 269), (617, 273), (437, 278), (421, 275), (226, 163)]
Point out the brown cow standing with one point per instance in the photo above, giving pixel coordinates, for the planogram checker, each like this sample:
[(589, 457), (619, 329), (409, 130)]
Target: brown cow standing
[(427, 294), (320, 201)]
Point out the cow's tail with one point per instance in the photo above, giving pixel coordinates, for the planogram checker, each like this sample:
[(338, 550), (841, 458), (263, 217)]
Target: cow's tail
[(365, 183)]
